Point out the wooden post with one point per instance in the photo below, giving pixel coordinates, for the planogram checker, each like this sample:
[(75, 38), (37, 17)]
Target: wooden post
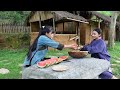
[(76, 29), (54, 24), (78, 33), (98, 23), (30, 27), (63, 28), (39, 13), (54, 27)]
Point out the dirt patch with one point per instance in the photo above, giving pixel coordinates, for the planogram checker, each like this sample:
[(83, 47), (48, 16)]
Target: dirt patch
[(4, 71)]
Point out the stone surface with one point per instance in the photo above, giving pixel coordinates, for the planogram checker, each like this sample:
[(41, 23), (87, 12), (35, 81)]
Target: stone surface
[(84, 68)]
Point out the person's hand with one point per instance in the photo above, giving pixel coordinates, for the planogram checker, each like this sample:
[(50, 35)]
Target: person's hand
[(74, 46), (80, 47)]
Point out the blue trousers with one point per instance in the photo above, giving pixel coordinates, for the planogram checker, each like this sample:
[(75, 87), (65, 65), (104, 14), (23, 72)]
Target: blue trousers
[(106, 75)]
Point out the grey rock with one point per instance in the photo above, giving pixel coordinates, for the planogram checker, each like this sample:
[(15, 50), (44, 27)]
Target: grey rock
[(84, 68)]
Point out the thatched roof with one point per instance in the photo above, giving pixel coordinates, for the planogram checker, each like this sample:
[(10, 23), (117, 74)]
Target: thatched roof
[(28, 17), (64, 15), (101, 16), (61, 16)]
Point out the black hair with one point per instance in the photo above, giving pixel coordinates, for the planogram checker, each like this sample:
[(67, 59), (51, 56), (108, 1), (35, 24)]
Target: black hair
[(33, 47), (98, 30)]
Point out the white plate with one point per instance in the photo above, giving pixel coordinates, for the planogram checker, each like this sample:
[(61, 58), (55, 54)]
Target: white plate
[(60, 68)]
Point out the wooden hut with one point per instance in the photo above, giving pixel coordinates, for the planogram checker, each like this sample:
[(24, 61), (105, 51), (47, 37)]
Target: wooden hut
[(103, 22), (95, 20), (66, 25)]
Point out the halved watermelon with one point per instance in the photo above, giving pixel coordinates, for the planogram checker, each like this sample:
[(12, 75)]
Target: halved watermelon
[(53, 60), (60, 59), (48, 62), (56, 60), (41, 64), (64, 57)]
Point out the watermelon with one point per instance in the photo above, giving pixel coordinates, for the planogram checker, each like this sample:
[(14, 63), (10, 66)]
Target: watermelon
[(60, 59), (41, 64), (64, 57), (53, 61), (48, 62), (56, 60)]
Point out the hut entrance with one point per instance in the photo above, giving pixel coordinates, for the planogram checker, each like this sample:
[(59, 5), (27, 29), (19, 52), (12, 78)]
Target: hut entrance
[(35, 26), (47, 22)]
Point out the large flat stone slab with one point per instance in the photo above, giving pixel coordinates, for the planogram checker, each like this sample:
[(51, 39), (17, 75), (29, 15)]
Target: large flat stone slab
[(84, 68)]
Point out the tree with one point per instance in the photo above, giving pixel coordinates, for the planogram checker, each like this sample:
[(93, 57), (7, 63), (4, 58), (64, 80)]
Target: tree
[(13, 16), (111, 36)]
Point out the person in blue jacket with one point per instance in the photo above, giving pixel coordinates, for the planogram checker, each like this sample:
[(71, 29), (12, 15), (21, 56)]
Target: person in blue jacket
[(97, 48), (39, 48)]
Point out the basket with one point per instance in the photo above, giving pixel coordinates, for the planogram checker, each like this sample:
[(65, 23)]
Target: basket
[(78, 54)]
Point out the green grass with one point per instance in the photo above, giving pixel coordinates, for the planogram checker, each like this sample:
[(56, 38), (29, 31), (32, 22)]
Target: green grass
[(10, 59), (115, 56)]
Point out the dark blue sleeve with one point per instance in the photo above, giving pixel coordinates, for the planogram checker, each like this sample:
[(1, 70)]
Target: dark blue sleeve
[(95, 48)]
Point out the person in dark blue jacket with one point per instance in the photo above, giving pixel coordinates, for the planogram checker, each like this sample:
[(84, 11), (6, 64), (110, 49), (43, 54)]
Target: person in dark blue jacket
[(39, 48), (97, 48)]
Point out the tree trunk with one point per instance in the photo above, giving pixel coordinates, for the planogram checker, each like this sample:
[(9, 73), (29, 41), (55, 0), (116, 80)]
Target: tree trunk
[(118, 31), (111, 36)]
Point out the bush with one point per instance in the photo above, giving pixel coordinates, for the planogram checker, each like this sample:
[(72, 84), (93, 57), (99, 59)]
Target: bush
[(19, 40)]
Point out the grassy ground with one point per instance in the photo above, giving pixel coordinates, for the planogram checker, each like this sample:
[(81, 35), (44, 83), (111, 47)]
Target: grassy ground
[(115, 59), (13, 59)]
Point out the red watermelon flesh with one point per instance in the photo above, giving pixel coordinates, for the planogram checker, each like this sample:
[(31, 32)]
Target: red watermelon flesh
[(60, 59), (53, 60), (48, 62), (56, 60), (41, 64), (64, 57)]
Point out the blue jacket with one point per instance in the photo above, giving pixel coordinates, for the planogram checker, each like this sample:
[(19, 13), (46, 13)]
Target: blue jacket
[(43, 42)]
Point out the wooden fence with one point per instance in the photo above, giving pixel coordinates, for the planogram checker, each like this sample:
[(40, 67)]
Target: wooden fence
[(14, 28)]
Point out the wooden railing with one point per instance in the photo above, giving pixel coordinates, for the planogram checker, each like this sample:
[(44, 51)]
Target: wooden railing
[(14, 28)]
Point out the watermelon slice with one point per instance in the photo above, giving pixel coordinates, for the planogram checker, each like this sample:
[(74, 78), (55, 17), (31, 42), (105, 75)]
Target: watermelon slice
[(53, 60), (41, 64), (48, 62), (64, 57), (56, 60), (60, 59)]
